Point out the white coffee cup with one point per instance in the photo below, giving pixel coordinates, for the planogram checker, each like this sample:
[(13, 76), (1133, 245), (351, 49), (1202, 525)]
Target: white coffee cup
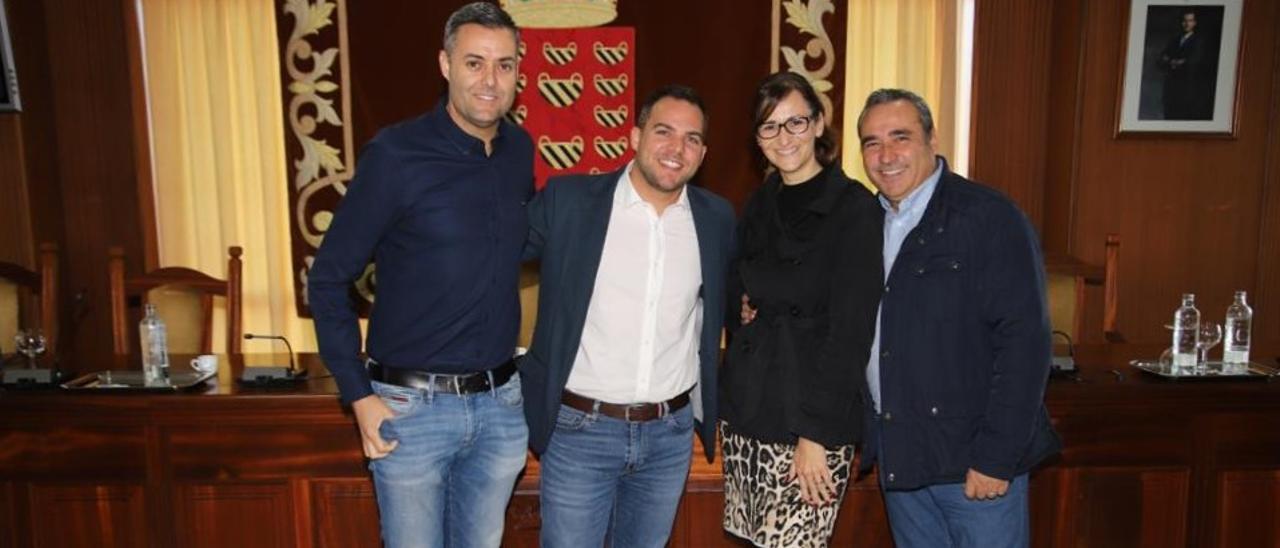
[(205, 363)]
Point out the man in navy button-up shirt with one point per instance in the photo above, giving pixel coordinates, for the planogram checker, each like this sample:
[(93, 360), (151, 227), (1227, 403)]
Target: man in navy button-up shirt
[(438, 205), (962, 344)]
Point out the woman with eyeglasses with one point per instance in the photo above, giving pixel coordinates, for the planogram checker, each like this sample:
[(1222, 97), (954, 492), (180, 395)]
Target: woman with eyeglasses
[(808, 272)]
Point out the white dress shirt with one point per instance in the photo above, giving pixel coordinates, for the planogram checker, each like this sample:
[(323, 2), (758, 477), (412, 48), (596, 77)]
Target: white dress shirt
[(640, 341)]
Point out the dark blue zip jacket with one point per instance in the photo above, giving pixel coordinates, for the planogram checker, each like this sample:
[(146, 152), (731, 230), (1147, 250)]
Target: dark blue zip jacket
[(964, 345)]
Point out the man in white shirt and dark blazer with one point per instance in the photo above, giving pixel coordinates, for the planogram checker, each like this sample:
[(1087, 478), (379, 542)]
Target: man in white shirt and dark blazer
[(624, 354)]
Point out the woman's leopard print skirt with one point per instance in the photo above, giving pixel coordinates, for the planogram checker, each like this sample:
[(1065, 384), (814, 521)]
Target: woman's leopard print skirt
[(760, 505)]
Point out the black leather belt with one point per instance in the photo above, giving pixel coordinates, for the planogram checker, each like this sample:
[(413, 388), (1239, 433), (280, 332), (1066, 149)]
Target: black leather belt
[(469, 383), (632, 412)]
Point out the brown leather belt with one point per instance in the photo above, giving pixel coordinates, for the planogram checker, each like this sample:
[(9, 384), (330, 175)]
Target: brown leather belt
[(470, 383), (631, 412)]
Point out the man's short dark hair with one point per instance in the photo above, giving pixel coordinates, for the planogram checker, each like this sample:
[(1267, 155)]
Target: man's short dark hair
[(673, 91), (485, 14), (889, 95)]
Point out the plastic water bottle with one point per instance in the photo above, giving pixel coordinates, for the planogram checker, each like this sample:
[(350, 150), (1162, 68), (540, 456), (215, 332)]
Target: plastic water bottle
[(155, 347), (1186, 335), (1239, 324)]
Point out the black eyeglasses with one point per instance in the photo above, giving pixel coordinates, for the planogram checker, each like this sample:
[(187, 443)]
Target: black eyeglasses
[(794, 125)]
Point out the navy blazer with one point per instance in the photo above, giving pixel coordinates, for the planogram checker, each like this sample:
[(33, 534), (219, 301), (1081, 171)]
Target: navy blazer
[(567, 224), (964, 345)]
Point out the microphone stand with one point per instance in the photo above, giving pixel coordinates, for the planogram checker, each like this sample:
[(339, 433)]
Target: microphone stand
[(271, 374)]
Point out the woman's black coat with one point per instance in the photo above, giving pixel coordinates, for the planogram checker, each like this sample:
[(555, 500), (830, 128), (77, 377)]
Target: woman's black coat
[(798, 370)]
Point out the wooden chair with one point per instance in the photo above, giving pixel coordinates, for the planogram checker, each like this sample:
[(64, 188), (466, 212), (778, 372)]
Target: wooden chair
[(1068, 279), (123, 289), (43, 284)]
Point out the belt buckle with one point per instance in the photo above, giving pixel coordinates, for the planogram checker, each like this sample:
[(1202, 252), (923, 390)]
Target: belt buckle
[(626, 413), (457, 384)]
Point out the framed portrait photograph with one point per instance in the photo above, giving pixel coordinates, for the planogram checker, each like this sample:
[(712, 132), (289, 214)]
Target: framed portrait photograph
[(8, 76), (1180, 67)]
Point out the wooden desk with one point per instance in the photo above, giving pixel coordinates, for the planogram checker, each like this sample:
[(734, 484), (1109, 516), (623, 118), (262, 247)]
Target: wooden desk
[(1147, 463)]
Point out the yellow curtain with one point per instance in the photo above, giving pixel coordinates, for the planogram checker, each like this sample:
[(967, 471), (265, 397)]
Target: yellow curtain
[(908, 44), (213, 82)]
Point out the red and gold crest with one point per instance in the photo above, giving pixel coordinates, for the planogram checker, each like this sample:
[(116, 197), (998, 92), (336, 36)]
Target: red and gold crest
[(576, 97)]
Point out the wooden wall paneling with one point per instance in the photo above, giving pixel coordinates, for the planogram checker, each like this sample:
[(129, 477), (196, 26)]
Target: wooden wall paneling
[(11, 524), (700, 518), (1143, 465), (105, 516), (1250, 510), (141, 130), (523, 523), (16, 245), (1130, 438), (26, 155), (1009, 135), (159, 482), (99, 451), (1184, 208), (1063, 122), (91, 98), (1234, 442), (680, 525), (1244, 472), (223, 514), (862, 521), (303, 516), (1047, 505), (1101, 503), (239, 452), (344, 512), (1099, 486), (27, 24), (36, 142), (1265, 298)]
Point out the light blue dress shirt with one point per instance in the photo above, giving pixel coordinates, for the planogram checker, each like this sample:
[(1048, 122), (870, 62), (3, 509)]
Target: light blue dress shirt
[(897, 224)]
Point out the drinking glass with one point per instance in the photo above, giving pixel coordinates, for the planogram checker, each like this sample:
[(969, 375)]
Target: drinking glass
[(1210, 336), (30, 343)]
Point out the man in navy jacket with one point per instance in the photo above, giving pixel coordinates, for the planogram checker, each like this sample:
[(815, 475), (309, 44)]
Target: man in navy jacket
[(960, 359), (624, 354)]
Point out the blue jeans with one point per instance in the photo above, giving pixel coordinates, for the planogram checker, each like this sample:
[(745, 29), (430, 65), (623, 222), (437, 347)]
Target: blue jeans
[(938, 516), (448, 481), (606, 477)]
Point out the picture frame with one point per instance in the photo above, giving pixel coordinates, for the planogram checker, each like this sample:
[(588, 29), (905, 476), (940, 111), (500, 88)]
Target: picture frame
[(1181, 64), (9, 98)]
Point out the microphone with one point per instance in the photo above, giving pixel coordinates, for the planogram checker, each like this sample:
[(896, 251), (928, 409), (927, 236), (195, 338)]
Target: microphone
[(272, 374)]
